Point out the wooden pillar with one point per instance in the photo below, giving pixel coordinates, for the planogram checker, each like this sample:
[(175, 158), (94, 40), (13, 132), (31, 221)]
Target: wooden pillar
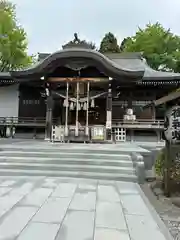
[(87, 111), (67, 108), (153, 112), (109, 112), (167, 173), (49, 108), (130, 101), (77, 110), (167, 164)]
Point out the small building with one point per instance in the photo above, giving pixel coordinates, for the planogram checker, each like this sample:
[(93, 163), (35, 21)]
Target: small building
[(79, 94)]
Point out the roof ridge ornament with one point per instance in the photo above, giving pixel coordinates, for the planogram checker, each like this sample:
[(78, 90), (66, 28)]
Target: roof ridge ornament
[(76, 39), (76, 43)]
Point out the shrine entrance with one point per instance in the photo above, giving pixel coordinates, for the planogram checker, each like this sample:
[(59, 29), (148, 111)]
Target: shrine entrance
[(97, 114), (81, 109)]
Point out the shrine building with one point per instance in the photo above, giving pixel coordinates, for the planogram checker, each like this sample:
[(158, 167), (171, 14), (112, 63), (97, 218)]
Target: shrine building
[(79, 94)]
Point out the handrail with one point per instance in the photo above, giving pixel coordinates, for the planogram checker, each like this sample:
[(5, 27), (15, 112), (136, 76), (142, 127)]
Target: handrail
[(42, 121), (20, 120), (138, 121)]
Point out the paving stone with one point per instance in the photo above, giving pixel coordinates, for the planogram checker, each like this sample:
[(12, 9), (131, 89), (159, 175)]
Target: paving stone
[(134, 204), (4, 190), (84, 201), (53, 211), (41, 231), (113, 199), (106, 182), (37, 197), (110, 215), (14, 223), (108, 193), (23, 190), (87, 186), (77, 225), (127, 188), (64, 190), (143, 227), (110, 234), (7, 202), (49, 183), (7, 183)]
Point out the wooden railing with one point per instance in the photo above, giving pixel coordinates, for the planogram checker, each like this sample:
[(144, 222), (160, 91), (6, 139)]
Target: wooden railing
[(144, 123), (30, 121), (25, 121)]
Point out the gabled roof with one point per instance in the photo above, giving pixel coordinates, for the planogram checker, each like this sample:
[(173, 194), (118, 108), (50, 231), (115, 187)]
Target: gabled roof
[(112, 68), (134, 62)]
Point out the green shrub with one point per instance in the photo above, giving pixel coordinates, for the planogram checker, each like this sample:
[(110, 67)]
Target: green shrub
[(174, 169), (159, 164)]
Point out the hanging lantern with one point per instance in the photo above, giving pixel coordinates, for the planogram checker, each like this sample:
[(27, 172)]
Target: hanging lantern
[(92, 103), (71, 106), (85, 106)]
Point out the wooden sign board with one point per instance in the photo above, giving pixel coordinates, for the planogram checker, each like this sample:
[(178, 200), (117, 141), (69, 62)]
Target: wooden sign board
[(97, 133)]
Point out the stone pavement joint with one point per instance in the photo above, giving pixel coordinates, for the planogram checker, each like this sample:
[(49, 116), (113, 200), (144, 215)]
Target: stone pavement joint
[(70, 209)]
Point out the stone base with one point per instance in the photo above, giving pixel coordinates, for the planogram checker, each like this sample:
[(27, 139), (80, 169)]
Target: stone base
[(47, 139)]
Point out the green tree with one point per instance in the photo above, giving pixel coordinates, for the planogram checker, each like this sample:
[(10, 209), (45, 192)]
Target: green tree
[(159, 46), (91, 45), (109, 44), (123, 44), (13, 40)]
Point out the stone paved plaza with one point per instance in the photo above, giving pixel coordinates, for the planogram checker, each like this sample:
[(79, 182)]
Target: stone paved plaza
[(76, 209)]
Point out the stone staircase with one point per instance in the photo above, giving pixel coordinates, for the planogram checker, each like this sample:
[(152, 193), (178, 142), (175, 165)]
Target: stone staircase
[(67, 162)]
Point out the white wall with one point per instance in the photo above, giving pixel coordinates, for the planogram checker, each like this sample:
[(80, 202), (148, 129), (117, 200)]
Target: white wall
[(9, 101)]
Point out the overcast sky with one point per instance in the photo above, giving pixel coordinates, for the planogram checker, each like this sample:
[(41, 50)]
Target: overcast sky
[(49, 24)]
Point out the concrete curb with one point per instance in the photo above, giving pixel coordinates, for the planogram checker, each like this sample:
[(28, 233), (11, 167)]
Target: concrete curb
[(155, 216)]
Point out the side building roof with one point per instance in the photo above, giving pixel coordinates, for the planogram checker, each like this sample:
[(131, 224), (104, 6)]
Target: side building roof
[(136, 61)]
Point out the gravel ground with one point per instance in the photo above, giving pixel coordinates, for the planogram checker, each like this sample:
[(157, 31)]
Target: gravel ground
[(169, 213)]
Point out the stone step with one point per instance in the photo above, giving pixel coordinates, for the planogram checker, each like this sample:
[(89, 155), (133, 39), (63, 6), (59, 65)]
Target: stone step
[(67, 167), (65, 155), (67, 161), (70, 149), (50, 160), (73, 174)]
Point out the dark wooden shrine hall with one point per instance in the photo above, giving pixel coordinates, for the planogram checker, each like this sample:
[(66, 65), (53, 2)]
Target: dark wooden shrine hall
[(82, 87)]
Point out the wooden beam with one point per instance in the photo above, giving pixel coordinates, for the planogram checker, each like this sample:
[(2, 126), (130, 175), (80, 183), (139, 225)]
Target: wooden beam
[(167, 98), (71, 79), (170, 97)]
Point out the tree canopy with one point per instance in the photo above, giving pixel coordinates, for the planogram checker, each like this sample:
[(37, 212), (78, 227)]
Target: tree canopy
[(109, 44), (13, 40), (159, 46)]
